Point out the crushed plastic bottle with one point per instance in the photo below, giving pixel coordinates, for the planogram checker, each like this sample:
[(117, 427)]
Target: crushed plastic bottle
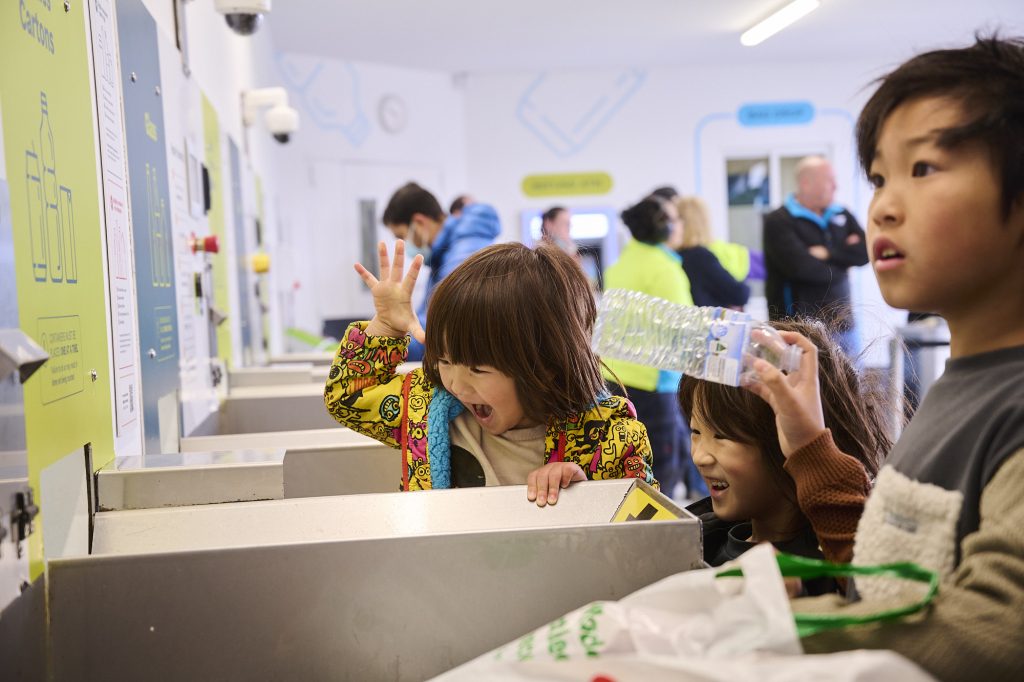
[(716, 344)]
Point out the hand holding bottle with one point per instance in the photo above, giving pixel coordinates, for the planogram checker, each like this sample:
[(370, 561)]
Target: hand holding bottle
[(392, 294), (795, 397)]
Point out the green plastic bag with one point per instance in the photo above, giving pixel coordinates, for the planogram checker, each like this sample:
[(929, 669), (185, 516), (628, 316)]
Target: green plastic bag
[(792, 566)]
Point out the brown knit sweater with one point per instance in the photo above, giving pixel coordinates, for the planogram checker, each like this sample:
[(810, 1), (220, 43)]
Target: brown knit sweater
[(831, 488)]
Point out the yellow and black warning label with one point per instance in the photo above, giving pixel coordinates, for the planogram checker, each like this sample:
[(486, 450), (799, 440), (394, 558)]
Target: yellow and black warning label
[(640, 505)]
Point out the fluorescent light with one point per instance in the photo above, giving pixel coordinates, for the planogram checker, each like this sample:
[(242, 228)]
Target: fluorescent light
[(778, 21)]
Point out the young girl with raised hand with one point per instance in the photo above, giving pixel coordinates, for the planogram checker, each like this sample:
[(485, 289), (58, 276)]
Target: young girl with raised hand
[(774, 475), (510, 391)]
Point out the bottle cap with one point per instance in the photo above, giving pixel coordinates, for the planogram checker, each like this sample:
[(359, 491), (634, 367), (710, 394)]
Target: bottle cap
[(791, 358)]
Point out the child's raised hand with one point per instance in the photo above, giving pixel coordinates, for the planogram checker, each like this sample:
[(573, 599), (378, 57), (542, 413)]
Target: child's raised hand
[(544, 483), (795, 397), (392, 294)]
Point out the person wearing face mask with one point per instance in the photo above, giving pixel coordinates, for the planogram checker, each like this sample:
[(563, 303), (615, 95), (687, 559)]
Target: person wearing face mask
[(414, 215)]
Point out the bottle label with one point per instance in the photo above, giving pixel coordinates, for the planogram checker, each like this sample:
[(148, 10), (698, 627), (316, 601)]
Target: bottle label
[(725, 342)]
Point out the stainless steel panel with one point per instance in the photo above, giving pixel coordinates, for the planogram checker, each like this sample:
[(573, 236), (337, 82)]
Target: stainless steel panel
[(23, 634), (350, 517), (318, 607), (308, 438), (315, 472), (178, 479), (276, 408), (270, 376), (316, 358)]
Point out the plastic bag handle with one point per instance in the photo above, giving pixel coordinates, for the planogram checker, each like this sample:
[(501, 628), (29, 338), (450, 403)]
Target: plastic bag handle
[(807, 624)]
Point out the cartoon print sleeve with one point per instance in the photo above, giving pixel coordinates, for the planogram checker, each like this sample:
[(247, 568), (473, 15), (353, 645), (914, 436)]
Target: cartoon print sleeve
[(363, 392), (625, 451)]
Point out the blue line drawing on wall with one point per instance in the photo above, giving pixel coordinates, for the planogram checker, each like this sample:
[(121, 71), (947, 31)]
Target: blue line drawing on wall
[(51, 223), (698, 131), (565, 112), (329, 91)]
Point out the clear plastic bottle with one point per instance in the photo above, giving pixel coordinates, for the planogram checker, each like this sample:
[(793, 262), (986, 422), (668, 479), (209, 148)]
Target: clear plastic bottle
[(716, 344)]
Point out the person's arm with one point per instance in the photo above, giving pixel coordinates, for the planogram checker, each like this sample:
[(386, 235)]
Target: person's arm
[(852, 251), (625, 449), (973, 629), (831, 488), (784, 250), (723, 287), (363, 392)]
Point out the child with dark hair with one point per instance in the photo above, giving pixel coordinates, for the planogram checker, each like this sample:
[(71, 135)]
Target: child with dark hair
[(510, 391), (769, 484), (942, 141), (649, 264)]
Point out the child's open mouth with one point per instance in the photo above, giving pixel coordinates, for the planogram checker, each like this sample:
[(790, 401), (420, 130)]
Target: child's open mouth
[(481, 412), (716, 486)]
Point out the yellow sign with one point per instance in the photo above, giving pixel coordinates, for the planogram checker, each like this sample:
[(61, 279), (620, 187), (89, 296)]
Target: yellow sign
[(566, 184), (639, 505), (221, 299), (49, 148)]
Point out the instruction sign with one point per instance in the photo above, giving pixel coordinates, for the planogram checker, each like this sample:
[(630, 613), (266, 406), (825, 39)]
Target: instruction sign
[(49, 151)]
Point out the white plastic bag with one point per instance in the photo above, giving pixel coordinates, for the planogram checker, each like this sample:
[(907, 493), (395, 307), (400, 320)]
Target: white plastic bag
[(848, 666), (690, 626), (687, 614)]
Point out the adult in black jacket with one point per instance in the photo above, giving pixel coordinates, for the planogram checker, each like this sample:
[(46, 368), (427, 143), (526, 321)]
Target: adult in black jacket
[(710, 283), (809, 244)]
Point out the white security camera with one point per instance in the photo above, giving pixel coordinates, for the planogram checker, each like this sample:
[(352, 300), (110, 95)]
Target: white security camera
[(280, 118), (243, 16)]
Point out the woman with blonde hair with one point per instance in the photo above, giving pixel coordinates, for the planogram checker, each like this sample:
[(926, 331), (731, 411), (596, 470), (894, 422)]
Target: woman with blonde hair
[(710, 283)]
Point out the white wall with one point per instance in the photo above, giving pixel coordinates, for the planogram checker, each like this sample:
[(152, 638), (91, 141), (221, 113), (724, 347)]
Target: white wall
[(661, 126), (344, 153)]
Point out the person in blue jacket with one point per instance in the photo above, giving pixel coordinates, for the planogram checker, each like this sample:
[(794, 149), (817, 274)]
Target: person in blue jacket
[(414, 214)]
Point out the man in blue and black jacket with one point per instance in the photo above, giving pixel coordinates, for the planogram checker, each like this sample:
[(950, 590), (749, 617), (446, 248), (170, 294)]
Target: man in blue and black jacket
[(809, 244)]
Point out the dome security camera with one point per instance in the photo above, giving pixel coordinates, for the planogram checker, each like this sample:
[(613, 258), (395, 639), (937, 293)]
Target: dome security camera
[(281, 119), (243, 16)]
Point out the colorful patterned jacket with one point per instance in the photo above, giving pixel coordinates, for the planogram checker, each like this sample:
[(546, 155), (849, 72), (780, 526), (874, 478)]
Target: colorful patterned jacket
[(364, 393)]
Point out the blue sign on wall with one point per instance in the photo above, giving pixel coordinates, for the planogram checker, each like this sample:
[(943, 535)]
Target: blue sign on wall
[(151, 211), (775, 114)]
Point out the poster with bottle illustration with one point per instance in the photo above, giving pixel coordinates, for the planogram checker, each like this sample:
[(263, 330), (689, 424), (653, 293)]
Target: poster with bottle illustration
[(151, 224), (49, 153)]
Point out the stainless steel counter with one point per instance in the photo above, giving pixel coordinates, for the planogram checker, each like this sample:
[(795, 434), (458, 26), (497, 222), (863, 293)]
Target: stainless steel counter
[(396, 586)]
